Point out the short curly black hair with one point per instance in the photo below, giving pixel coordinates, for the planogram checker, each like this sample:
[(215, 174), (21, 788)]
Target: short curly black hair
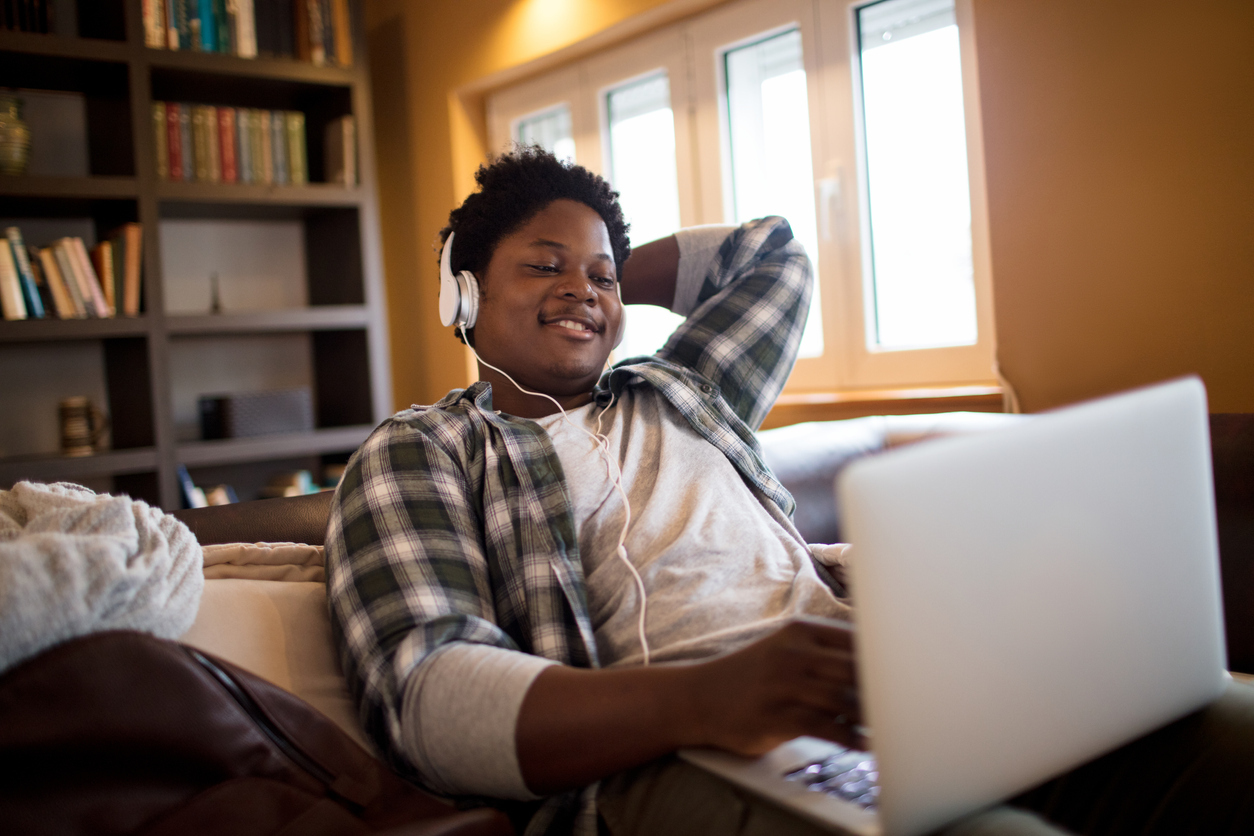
[(513, 187)]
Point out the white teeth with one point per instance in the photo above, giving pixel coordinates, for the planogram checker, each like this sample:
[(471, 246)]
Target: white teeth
[(574, 326)]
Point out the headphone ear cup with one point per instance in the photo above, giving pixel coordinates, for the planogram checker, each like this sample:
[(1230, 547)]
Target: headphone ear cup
[(469, 287), (450, 299)]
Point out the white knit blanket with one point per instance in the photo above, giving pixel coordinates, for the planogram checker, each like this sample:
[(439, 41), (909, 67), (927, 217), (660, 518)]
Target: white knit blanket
[(73, 562)]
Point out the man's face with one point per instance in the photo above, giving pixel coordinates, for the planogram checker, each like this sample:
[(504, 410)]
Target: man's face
[(549, 311)]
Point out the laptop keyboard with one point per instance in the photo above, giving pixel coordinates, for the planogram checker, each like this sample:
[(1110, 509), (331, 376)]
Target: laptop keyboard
[(848, 774)]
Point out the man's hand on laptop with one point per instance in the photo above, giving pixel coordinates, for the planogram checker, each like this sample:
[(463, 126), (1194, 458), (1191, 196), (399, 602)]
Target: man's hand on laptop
[(799, 680), (577, 725)]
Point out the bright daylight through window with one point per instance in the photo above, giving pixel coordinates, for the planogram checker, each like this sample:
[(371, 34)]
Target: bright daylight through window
[(642, 169), (551, 131), (916, 157), (769, 127)]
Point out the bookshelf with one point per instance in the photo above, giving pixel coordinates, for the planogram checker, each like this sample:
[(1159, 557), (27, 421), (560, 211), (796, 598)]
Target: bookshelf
[(305, 305)]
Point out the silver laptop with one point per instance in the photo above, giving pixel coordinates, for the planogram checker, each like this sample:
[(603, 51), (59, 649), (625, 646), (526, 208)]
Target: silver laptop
[(1027, 599)]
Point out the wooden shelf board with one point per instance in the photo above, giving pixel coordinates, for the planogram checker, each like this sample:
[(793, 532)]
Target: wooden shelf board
[(52, 468), (315, 194), (316, 318), (795, 408), (32, 330), (82, 187), (282, 69), (264, 447), (62, 46)]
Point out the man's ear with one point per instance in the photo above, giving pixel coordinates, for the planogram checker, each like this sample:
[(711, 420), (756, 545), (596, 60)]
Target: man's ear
[(622, 319)]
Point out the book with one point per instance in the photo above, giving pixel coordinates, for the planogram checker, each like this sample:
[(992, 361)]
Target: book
[(117, 264), (90, 281), (297, 160), (254, 141), (300, 29), (161, 140), (30, 291), (130, 239), (61, 297), (226, 142), (174, 141), (243, 144), (328, 32), (171, 24), (102, 261), (154, 24), (183, 14), (69, 276), (224, 27), (200, 145), (261, 124), (12, 305), (245, 28), (41, 283), (278, 146), (343, 25), (185, 142), (339, 151), (213, 143)]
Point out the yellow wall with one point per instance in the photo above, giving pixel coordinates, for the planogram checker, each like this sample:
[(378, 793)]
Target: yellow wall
[(429, 144), (1119, 147), (1119, 144)]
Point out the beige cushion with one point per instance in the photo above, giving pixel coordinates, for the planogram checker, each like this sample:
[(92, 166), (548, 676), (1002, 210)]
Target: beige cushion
[(277, 629)]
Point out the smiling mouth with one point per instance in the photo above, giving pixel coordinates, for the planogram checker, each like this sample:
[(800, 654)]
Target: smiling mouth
[(577, 326)]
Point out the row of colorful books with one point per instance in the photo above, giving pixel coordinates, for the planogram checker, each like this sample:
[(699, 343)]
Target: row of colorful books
[(28, 15), (318, 31), (208, 144), (66, 281)]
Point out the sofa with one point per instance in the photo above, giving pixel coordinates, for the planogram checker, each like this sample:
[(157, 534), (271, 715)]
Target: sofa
[(264, 603)]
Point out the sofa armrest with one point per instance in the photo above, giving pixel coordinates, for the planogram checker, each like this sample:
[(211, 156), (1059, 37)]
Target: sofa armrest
[(289, 519)]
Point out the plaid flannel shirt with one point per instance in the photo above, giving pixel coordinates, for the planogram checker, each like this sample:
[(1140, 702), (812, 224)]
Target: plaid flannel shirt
[(453, 522)]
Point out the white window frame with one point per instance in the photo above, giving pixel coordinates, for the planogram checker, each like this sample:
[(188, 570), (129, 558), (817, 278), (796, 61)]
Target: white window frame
[(692, 52)]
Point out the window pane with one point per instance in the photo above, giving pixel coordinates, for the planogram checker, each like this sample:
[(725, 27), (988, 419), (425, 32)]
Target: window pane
[(769, 126), (550, 130), (916, 149), (642, 170)]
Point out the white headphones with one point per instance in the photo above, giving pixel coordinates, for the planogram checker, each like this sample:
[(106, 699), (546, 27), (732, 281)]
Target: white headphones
[(459, 295)]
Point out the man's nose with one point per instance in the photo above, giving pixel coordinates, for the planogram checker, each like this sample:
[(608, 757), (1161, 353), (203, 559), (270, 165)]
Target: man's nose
[(576, 287)]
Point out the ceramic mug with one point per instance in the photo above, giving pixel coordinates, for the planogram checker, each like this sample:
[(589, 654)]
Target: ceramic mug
[(82, 426)]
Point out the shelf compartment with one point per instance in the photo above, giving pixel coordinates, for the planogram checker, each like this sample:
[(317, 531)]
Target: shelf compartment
[(105, 87), (37, 330), (273, 447), (320, 318), (55, 468)]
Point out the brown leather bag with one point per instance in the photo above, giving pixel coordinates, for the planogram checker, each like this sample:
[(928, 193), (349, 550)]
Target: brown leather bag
[(121, 732)]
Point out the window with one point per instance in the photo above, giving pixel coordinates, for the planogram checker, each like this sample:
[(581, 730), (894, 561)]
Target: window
[(550, 130), (848, 119)]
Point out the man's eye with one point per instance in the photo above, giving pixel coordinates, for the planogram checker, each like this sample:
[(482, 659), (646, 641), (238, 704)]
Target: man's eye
[(604, 281), (544, 268)]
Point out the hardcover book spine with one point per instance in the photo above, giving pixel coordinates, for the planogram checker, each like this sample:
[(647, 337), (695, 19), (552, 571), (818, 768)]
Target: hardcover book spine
[(117, 263), (317, 46), (200, 145), (154, 24), (185, 142), (56, 284), (133, 238), (245, 29), (90, 279), (267, 146), (343, 33), (296, 147), (69, 273), (226, 141), (243, 135), (224, 26), (161, 140), (265, 27), (34, 304), (328, 31), (174, 142), (285, 27), (12, 305), (45, 291), (171, 24), (278, 145), (102, 261), (184, 18), (214, 147), (300, 21), (254, 139), (340, 151)]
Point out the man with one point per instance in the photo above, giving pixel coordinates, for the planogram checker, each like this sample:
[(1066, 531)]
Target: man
[(562, 575)]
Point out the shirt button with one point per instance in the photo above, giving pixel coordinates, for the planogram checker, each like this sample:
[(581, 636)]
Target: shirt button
[(707, 388)]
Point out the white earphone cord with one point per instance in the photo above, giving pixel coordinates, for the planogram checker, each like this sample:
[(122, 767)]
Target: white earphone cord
[(612, 470)]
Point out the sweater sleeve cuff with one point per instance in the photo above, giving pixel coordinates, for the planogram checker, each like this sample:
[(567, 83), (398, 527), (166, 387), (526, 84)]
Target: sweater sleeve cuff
[(698, 245), (459, 718)]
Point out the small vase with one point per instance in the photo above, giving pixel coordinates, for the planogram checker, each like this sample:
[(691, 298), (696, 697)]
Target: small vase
[(14, 136)]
